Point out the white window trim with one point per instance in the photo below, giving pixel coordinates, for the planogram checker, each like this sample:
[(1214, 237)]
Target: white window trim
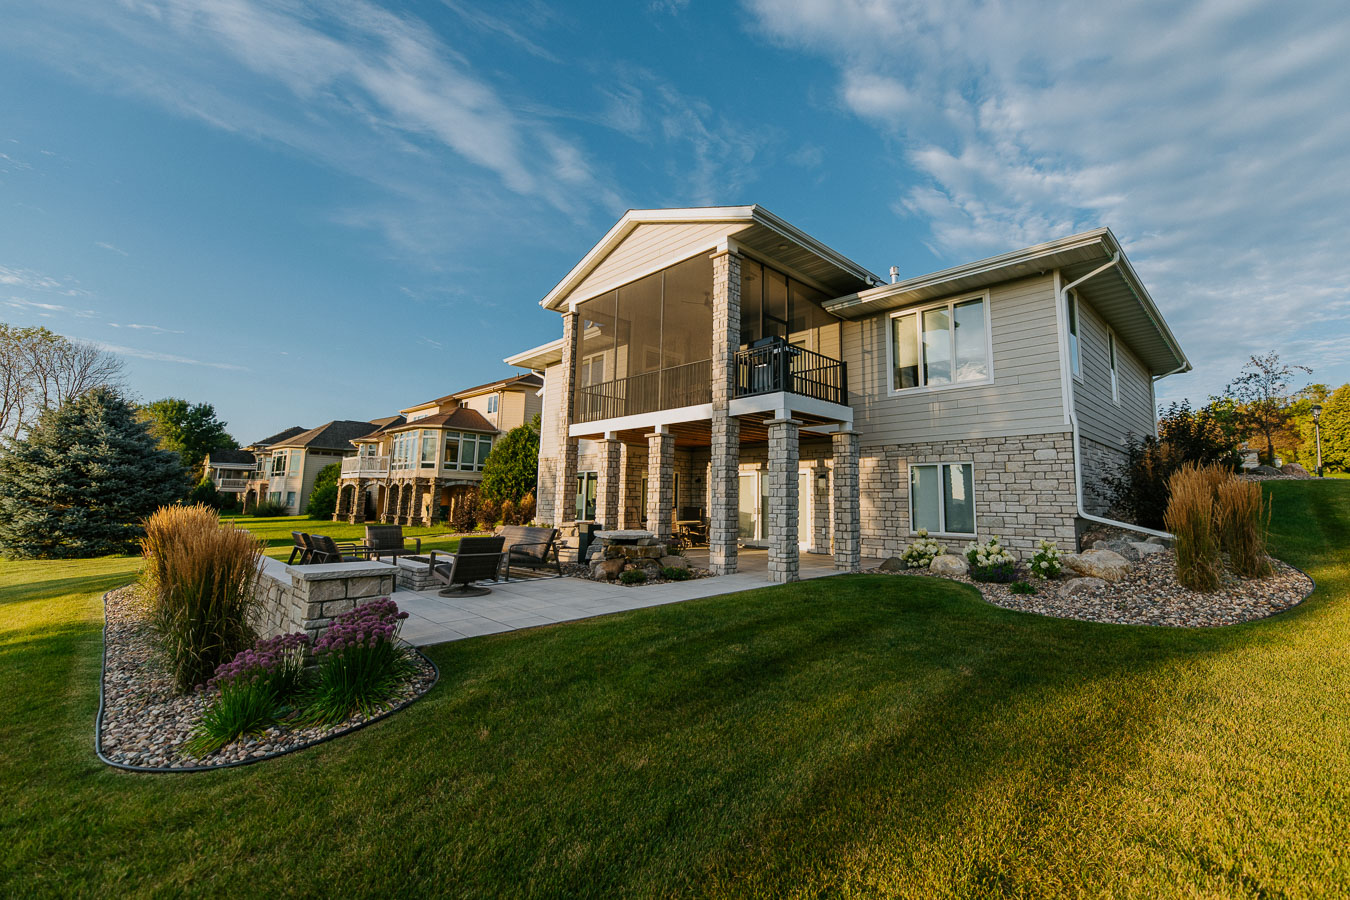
[(1113, 363), (942, 509), (1075, 364), (918, 312)]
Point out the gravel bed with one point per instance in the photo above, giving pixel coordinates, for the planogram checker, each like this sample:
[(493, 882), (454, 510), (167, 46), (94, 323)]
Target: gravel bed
[(1151, 595), (144, 723)]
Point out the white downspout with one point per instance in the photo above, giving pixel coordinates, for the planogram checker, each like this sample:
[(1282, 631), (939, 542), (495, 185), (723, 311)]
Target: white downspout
[(1061, 298)]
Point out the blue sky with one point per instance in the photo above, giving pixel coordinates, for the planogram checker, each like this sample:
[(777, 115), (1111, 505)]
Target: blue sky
[(301, 212)]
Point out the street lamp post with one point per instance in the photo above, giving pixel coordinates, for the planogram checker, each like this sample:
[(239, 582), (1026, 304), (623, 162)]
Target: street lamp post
[(1317, 432)]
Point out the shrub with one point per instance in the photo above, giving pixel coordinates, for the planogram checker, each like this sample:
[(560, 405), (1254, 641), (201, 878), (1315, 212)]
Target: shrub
[(488, 512), (465, 515), (921, 553), (360, 662), (991, 562), (1242, 516), (201, 577), (509, 514), (675, 573), (1190, 518), (82, 481), (512, 468), (633, 576), (205, 492), (1022, 587), (323, 496), (252, 691), (1045, 562), (267, 509), (525, 509)]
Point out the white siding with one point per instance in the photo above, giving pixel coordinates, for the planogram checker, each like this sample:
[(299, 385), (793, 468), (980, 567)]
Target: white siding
[(1099, 418), (1026, 396), (647, 248)]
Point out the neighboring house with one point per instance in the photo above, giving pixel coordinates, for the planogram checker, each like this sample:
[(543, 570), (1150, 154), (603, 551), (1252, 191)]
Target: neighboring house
[(720, 363), (230, 470), (288, 462), (418, 467)]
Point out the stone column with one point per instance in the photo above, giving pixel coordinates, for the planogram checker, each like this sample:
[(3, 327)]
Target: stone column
[(565, 486), (341, 513), (847, 519), (359, 502), (724, 462), (782, 524), (415, 506), (820, 508), (610, 488), (660, 483)]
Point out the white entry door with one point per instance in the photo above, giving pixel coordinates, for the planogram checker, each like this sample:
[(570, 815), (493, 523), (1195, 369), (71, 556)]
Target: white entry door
[(805, 523)]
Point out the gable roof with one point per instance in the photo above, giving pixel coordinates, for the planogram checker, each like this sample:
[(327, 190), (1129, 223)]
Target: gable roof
[(279, 436), (336, 435), (753, 228), (231, 457), (1115, 291), (461, 418), (526, 380), (386, 423)]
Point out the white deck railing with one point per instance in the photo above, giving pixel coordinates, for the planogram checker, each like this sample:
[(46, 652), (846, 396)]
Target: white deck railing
[(232, 485), (365, 467)]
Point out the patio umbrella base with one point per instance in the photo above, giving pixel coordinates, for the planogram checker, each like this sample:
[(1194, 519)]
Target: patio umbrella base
[(465, 590)]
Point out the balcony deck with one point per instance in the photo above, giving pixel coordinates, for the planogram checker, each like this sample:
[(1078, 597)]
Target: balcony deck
[(365, 467)]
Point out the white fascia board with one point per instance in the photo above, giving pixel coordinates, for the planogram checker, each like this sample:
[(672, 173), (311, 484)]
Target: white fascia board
[(790, 403), (540, 357), (644, 420)]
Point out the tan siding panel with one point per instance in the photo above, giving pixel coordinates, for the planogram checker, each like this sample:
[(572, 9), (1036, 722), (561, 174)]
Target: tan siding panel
[(1099, 418), (647, 245)]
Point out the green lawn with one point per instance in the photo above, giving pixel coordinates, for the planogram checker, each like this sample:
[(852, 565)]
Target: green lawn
[(857, 736), (276, 531)]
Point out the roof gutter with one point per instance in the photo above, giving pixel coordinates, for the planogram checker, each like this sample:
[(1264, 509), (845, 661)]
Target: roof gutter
[(1061, 298)]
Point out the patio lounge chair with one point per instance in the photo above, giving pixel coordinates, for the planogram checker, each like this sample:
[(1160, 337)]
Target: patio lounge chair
[(303, 546), (327, 550), (478, 559), (388, 540), (530, 548)]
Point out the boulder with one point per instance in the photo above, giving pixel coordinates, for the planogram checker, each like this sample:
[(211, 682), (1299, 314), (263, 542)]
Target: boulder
[(607, 569), (1160, 541), (647, 551), (894, 564), (1264, 471), (1104, 564), (1144, 548), (1295, 470), (674, 562), (1075, 586), (1124, 548), (948, 565)]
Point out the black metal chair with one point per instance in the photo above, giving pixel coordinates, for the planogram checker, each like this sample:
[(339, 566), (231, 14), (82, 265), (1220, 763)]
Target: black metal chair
[(478, 559), (303, 546), (327, 550), (388, 540)]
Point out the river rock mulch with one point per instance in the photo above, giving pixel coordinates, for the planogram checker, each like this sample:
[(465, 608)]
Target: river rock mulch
[(145, 723), (1151, 595)]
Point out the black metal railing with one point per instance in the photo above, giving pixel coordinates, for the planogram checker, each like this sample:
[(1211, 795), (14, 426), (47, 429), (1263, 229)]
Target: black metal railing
[(794, 370), (672, 388)]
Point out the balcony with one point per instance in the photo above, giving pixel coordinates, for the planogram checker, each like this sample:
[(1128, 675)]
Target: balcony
[(672, 388), (778, 367), (232, 485), (365, 467)]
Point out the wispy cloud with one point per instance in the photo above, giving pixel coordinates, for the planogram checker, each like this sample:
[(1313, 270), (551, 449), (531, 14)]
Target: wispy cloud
[(168, 357), (1205, 134), (104, 245), (154, 329)]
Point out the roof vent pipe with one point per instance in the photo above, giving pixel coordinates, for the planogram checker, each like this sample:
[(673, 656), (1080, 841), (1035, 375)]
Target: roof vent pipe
[(895, 274)]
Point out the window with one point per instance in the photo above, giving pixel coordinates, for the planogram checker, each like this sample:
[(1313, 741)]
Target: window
[(1071, 314), (492, 403), (428, 460), (294, 463), (451, 450), (942, 498), (274, 496), (940, 346), (1111, 360), (279, 463), (466, 452), (642, 499), (587, 485), (290, 500)]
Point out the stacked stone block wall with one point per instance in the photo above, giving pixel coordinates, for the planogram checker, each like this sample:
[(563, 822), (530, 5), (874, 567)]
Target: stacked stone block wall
[(783, 475), (306, 598)]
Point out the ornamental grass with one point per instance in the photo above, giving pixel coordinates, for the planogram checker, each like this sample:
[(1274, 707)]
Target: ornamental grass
[(200, 577), (1243, 518), (1190, 517)]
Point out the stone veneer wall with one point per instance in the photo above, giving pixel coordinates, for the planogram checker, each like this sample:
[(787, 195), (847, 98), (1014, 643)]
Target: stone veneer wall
[(306, 598), (1099, 461), (1024, 491)]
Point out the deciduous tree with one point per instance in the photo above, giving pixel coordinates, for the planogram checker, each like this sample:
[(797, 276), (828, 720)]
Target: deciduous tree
[(512, 468), (40, 369), (1261, 393), (189, 429)]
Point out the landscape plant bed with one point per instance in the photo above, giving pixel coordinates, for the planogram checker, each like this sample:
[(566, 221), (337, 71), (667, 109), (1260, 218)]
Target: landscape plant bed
[(584, 572), (1150, 595), (144, 724)]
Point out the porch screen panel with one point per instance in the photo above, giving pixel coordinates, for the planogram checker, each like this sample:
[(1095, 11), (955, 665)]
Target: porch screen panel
[(638, 343), (686, 333), (595, 357), (752, 291), (775, 304)]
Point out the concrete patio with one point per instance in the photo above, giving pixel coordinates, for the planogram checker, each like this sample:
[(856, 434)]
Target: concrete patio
[(433, 619)]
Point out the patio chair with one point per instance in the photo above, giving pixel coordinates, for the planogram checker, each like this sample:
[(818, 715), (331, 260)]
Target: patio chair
[(530, 548), (303, 546), (478, 559), (388, 540), (327, 550)]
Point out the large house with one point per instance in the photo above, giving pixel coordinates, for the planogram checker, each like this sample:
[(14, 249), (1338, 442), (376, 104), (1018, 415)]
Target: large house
[(418, 466), (720, 363), (288, 462)]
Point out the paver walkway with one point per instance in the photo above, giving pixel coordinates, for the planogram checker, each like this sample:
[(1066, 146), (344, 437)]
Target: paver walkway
[(433, 619)]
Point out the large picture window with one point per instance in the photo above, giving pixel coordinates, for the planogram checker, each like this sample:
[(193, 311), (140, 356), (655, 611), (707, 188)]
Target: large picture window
[(465, 451), (940, 346), (587, 486), (942, 498)]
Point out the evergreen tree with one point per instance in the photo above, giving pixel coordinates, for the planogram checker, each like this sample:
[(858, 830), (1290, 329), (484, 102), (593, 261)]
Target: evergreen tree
[(189, 429), (1335, 425), (512, 468), (323, 496), (83, 480), (205, 492)]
